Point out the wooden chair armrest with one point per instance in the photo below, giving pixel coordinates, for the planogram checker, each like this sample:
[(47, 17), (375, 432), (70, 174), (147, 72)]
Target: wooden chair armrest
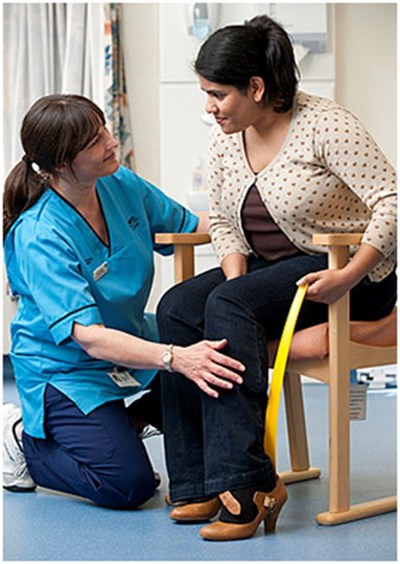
[(182, 238), (338, 246), (339, 239), (184, 244)]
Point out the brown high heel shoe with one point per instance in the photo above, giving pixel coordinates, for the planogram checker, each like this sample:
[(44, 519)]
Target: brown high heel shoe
[(168, 501), (268, 504), (201, 511)]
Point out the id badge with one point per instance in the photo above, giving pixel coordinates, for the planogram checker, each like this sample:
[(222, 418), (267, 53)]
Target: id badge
[(123, 378), (100, 271)]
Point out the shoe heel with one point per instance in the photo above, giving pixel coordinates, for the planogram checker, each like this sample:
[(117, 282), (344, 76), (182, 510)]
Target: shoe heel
[(273, 511), (270, 522)]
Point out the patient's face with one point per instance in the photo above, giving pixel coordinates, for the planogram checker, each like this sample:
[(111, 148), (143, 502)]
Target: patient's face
[(232, 109)]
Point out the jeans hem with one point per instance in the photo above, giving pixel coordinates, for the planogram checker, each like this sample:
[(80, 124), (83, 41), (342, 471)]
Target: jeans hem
[(243, 480), (186, 494)]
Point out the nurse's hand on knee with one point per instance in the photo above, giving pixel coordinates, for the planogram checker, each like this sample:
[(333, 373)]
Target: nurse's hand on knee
[(207, 367)]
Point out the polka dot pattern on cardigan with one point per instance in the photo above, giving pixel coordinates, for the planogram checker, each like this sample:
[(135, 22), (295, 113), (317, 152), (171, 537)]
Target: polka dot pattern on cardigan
[(329, 176)]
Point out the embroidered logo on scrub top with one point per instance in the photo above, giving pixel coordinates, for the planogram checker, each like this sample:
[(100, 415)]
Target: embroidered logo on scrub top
[(133, 222), (100, 271)]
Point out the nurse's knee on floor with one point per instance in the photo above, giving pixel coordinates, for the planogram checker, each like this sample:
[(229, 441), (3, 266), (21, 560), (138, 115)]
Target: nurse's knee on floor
[(130, 494)]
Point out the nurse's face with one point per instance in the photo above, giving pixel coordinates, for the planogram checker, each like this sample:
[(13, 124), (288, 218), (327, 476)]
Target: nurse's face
[(232, 109), (98, 158)]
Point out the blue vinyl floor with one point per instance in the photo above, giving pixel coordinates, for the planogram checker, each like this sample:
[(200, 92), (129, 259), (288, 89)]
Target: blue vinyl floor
[(47, 526)]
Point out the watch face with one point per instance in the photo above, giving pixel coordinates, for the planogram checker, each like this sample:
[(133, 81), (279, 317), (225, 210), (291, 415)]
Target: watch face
[(166, 359)]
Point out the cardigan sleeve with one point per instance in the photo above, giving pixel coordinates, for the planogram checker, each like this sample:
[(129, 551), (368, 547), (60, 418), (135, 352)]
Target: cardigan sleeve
[(224, 228), (350, 152)]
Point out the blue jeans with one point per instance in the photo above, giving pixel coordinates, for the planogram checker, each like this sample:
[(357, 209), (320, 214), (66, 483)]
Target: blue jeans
[(213, 445), (98, 456)]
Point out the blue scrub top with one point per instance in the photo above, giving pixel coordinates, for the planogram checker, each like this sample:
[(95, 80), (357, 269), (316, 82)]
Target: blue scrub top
[(63, 273)]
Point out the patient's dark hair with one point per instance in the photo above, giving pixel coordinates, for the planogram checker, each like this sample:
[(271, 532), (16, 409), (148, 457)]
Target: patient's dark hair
[(53, 131), (260, 47)]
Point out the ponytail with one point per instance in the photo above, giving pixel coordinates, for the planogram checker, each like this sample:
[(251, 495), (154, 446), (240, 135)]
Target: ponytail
[(23, 188), (280, 61)]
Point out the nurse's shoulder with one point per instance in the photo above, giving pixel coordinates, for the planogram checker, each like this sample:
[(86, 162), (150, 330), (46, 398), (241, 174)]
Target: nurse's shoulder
[(26, 225), (45, 220)]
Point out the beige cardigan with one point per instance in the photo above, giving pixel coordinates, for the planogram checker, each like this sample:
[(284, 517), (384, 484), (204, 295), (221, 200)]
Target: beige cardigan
[(329, 176)]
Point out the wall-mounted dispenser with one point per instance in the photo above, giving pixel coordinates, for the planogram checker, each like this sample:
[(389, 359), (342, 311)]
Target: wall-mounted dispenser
[(306, 23), (201, 19)]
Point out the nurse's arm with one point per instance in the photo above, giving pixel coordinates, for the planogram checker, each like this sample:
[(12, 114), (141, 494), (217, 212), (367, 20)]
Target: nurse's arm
[(202, 362), (204, 223)]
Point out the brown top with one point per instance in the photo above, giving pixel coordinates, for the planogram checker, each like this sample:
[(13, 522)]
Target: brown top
[(262, 233)]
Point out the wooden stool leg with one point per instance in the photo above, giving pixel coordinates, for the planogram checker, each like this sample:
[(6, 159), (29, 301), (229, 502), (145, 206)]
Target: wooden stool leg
[(297, 433), (340, 510), (339, 390), (183, 262)]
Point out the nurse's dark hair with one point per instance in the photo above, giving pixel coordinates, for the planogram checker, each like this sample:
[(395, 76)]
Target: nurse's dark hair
[(53, 131), (260, 47)]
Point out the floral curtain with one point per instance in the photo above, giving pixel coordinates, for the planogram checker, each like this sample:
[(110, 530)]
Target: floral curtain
[(116, 100), (72, 48)]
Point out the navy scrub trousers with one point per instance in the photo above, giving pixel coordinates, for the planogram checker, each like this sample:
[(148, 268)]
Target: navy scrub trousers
[(98, 456)]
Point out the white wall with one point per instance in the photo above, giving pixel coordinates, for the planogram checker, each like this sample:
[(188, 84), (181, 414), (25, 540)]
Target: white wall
[(140, 36), (366, 69)]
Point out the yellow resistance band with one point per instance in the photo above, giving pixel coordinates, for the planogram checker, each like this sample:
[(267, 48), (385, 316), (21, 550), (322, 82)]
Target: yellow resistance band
[(271, 416)]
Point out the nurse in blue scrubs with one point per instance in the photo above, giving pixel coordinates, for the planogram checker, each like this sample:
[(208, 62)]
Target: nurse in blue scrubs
[(79, 242)]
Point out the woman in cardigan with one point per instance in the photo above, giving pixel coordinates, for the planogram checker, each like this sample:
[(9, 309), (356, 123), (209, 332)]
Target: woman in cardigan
[(282, 165)]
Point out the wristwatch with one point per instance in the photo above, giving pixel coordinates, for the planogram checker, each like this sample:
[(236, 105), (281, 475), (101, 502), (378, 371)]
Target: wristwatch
[(167, 358)]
